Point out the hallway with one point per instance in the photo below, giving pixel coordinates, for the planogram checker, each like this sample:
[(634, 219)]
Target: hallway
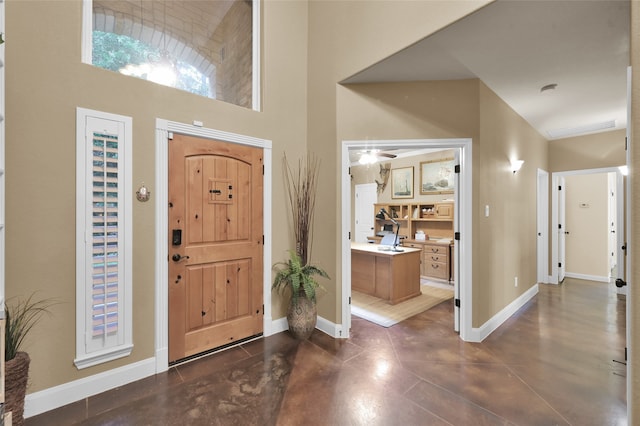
[(559, 360)]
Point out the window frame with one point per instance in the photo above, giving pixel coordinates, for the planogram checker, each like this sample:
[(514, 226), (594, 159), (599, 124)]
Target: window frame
[(90, 352), (256, 72)]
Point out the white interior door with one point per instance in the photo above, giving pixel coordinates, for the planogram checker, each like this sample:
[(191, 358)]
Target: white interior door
[(543, 226), (612, 222), (562, 232), (365, 197), (456, 244)]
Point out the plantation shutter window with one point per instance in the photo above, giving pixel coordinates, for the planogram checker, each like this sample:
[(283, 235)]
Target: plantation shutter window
[(103, 216), (105, 260)]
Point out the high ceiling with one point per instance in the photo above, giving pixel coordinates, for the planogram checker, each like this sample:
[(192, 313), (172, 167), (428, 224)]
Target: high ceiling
[(517, 46)]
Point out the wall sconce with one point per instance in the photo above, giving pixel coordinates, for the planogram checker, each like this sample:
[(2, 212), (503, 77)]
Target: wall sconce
[(516, 165)]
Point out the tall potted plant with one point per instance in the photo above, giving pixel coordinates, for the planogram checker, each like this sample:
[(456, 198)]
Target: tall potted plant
[(20, 317), (296, 275)]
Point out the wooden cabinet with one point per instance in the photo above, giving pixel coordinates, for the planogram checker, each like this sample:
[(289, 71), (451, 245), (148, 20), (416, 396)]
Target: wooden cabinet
[(443, 211), (435, 220), (435, 260)]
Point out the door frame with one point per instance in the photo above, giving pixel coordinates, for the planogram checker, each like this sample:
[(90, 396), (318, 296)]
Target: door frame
[(164, 128), (543, 226), (464, 246), (621, 224)]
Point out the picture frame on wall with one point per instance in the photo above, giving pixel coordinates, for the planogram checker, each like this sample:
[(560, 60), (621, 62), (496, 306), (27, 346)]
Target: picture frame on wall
[(437, 176), (402, 182)]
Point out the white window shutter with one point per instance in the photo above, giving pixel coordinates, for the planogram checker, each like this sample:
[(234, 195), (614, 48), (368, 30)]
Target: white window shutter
[(104, 239)]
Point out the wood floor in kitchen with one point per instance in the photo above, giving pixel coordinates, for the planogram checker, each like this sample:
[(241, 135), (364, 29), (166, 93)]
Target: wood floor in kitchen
[(558, 361)]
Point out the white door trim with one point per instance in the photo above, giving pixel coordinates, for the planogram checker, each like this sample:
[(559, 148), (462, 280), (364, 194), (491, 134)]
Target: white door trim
[(465, 208), (163, 129), (543, 226), (555, 177)]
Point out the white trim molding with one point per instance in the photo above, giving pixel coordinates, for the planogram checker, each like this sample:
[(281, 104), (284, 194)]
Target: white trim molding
[(481, 333), (58, 396), (465, 209), (587, 277)]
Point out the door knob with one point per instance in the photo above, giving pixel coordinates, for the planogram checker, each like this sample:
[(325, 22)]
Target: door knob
[(177, 257)]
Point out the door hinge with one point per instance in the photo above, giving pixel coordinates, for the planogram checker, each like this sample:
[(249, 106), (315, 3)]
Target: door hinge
[(263, 170), (170, 136), (456, 236), (349, 235), (262, 309), (625, 148), (349, 299), (457, 303), (456, 169)]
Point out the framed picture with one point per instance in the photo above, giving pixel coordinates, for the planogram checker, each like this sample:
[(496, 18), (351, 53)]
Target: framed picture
[(437, 176), (402, 182)]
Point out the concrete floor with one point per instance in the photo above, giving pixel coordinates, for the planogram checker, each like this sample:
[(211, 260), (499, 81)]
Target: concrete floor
[(558, 361)]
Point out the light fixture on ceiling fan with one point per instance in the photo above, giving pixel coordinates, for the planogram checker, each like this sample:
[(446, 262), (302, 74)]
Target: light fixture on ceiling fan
[(371, 156)]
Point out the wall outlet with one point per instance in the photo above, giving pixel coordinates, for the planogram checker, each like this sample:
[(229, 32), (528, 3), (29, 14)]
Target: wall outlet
[(515, 281)]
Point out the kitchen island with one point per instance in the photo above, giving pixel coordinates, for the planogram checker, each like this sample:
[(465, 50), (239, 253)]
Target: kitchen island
[(389, 275)]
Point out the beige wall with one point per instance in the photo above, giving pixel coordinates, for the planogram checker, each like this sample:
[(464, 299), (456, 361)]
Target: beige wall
[(505, 242), (504, 245), (45, 83), (604, 149), (586, 219), (371, 173), (344, 38)]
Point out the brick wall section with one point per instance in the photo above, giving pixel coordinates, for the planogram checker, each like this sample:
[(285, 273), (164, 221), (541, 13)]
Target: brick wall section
[(234, 77)]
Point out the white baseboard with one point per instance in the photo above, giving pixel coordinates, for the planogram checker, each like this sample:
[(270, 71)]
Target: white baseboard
[(481, 333), (279, 325), (332, 329), (587, 277), (58, 396), (322, 324)]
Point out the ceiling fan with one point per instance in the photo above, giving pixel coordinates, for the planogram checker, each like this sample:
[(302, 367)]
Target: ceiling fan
[(371, 156)]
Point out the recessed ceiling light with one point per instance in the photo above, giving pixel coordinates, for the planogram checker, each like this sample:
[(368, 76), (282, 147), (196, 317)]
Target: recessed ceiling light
[(548, 87)]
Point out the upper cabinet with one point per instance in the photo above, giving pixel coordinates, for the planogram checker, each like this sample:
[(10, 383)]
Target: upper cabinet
[(434, 219)]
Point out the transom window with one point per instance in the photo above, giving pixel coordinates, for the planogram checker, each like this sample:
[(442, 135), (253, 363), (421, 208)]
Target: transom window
[(203, 47)]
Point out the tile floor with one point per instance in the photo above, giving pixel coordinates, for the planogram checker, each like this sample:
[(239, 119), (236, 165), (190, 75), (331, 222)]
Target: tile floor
[(558, 361)]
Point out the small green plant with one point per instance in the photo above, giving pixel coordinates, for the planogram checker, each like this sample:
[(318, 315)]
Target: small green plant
[(21, 317), (295, 276)]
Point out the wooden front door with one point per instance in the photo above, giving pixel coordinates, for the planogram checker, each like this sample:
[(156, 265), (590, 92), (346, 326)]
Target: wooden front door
[(215, 244)]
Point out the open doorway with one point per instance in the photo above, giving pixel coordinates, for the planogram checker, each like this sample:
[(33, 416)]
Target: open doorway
[(588, 211), (462, 223)]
